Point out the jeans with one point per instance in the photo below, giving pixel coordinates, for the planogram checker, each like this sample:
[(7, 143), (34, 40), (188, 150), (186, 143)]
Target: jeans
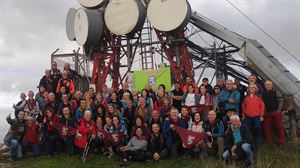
[(34, 147), (51, 140), (255, 125), (15, 149), (246, 148)]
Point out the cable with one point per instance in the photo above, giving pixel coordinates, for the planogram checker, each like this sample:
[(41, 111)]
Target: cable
[(280, 45)]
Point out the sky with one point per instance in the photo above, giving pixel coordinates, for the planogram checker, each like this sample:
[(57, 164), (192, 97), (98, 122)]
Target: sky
[(31, 30)]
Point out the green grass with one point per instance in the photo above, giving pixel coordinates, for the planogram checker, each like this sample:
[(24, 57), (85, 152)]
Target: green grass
[(267, 157)]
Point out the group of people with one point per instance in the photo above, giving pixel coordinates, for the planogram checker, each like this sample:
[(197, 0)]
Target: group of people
[(141, 125)]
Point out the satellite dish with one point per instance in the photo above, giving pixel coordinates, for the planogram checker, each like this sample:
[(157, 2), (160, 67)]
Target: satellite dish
[(169, 15), (92, 4), (124, 16), (70, 24), (88, 27)]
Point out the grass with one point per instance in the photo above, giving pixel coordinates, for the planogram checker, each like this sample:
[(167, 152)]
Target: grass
[(267, 157)]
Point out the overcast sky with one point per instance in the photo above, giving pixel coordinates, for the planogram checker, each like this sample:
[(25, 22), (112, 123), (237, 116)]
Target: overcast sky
[(30, 30)]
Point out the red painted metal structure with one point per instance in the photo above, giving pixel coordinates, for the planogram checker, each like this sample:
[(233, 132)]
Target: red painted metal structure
[(108, 62)]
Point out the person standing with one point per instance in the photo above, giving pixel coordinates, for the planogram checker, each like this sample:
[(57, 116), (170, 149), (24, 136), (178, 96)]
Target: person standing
[(253, 112), (47, 81), (20, 105), (56, 75), (273, 104), (228, 99), (176, 95), (189, 81)]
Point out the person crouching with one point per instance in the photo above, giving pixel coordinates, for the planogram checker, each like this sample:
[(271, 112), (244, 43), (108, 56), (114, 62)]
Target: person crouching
[(239, 142), (156, 144), (136, 148), (14, 135)]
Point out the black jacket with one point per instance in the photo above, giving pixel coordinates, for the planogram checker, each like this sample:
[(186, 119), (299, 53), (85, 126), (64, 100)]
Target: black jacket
[(246, 136), (156, 143)]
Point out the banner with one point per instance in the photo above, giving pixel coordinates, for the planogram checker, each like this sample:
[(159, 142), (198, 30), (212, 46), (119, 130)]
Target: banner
[(154, 77), (189, 138), (64, 131), (114, 138)]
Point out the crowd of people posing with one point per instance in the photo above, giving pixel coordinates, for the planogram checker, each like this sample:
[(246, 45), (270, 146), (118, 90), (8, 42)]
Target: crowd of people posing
[(141, 125)]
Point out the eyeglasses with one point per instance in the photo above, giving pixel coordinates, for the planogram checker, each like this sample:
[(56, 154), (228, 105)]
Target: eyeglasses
[(216, 88)]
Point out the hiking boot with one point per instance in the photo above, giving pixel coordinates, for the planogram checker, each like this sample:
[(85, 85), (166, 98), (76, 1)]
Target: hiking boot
[(110, 155)]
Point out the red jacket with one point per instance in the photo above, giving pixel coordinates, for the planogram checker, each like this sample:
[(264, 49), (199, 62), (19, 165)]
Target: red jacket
[(32, 134), (253, 106), (51, 128), (83, 130)]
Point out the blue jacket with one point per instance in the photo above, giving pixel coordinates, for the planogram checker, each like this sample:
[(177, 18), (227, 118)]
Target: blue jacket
[(217, 129), (225, 95), (170, 134), (79, 114)]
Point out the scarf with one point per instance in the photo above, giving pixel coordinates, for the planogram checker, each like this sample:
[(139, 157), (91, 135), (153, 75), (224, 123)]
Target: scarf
[(31, 104), (172, 121)]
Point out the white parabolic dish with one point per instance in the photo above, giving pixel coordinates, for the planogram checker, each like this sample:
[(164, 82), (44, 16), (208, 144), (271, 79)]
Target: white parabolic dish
[(124, 16), (88, 27), (168, 15), (70, 24), (92, 4)]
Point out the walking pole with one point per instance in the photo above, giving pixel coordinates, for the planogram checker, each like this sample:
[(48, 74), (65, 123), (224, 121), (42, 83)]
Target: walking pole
[(86, 149)]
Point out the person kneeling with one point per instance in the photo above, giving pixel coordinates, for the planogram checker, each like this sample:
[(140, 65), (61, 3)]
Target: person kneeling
[(239, 142), (136, 147)]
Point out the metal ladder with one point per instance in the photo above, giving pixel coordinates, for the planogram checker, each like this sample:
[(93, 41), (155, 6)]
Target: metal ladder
[(147, 49)]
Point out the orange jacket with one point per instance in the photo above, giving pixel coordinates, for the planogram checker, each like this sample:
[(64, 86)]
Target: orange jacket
[(68, 83), (185, 88), (253, 106)]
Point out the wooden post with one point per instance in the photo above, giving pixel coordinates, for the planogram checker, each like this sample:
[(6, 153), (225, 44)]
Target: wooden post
[(293, 125)]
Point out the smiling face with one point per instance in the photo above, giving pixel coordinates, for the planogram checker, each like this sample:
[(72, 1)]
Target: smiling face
[(202, 90), (30, 94), (138, 122), (155, 114), (268, 85), (212, 116), (229, 85), (87, 115), (66, 112), (83, 104), (235, 123), (139, 132), (174, 114), (99, 122), (21, 115), (197, 117), (110, 109), (155, 128), (191, 89), (184, 111), (108, 121), (115, 121)]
